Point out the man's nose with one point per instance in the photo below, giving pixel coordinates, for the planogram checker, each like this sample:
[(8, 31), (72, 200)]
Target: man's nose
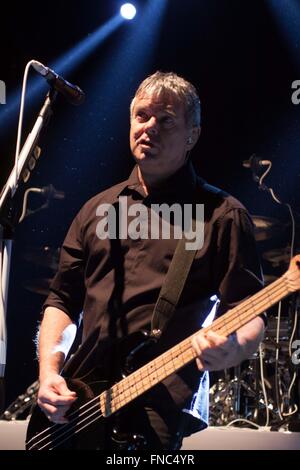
[(151, 126)]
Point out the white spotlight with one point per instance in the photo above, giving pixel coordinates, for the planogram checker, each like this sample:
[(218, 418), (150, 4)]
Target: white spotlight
[(128, 11)]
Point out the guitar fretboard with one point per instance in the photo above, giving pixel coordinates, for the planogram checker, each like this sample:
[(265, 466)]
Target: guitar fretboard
[(180, 355)]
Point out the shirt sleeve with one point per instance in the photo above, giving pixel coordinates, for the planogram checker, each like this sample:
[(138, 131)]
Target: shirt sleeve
[(67, 290), (237, 268)]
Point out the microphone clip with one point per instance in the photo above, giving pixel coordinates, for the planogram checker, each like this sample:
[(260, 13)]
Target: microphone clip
[(71, 92)]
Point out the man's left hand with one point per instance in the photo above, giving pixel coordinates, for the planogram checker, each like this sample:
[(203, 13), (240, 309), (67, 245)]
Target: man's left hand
[(217, 352)]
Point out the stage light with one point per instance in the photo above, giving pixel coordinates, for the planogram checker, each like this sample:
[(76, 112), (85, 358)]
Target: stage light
[(128, 11)]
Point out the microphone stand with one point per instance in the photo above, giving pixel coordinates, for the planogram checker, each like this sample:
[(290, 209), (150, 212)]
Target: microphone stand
[(8, 220)]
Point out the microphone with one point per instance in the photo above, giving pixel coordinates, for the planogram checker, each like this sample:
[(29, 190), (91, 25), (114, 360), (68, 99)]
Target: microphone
[(51, 193), (71, 92), (255, 163)]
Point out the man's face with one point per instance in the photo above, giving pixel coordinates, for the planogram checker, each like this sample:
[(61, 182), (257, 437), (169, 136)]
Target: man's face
[(158, 134)]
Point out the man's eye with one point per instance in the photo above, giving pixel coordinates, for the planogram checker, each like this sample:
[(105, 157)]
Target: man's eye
[(167, 120), (141, 116)]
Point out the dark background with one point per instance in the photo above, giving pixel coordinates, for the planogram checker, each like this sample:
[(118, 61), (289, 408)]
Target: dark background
[(241, 55)]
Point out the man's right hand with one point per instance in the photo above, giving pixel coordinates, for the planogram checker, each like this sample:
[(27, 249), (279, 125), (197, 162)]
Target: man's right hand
[(54, 398)]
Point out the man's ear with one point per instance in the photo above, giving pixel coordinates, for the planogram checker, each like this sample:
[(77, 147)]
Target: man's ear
[(193, 137)]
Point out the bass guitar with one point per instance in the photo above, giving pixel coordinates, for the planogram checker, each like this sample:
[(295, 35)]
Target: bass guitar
[(98, 400)]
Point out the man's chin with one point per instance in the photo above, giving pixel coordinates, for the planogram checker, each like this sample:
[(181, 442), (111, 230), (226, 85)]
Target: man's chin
[(145, 156)]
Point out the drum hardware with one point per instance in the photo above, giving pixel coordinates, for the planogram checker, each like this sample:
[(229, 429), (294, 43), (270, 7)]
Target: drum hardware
[(272, 326), (22, 404), (278, 257), (231, 396), (239, 394), (265, 227)]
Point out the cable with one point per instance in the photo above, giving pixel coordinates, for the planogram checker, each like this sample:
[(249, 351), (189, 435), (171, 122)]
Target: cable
[(20, 123), (278, 402), (261, 366), (244, 420), (262, 177), (278, 201), (25, 201)]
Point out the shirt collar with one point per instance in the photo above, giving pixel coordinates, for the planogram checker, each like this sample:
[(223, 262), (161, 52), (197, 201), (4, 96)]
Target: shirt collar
[(182, 182)]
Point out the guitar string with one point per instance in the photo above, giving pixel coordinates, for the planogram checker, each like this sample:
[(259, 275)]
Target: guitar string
[(71, 429), (75, 412), (117, 386)]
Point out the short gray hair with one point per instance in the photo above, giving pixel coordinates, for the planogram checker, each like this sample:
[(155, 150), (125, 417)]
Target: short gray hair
[(171, 84)]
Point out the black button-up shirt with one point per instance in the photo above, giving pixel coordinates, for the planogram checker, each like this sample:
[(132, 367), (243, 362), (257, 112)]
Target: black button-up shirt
[(116, 282)]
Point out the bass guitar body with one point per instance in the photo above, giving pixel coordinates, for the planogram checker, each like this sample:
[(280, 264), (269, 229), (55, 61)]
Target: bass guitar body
[(87, 427)]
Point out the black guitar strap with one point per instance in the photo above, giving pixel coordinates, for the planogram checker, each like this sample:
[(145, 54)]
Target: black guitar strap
[(172, 287), (176, 277)]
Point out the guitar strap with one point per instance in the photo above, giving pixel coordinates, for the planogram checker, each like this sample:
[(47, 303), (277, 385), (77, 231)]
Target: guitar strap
[(175, 279), (172, 287)]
